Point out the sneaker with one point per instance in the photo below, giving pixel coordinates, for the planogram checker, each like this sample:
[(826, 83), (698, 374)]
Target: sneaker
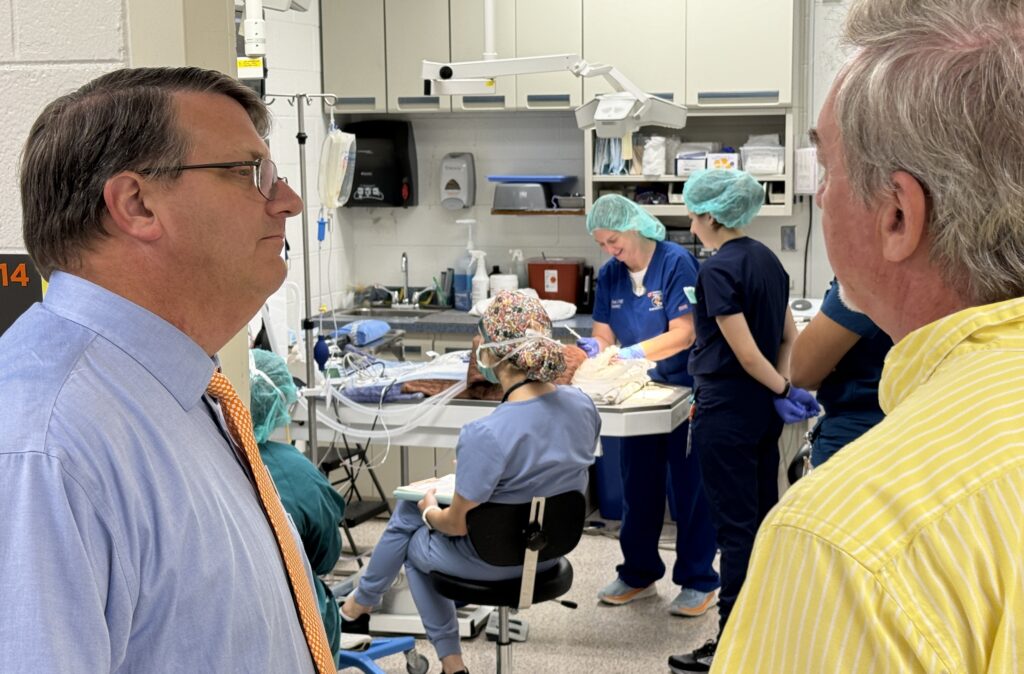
[(618, 593), (697, 661), (692, 603), (360, 625)]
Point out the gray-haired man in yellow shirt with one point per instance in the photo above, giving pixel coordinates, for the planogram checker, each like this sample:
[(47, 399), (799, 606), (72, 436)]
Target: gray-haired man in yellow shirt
[(904, 553)]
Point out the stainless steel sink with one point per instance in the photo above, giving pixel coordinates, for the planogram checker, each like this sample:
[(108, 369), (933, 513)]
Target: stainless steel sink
[(392, 312)]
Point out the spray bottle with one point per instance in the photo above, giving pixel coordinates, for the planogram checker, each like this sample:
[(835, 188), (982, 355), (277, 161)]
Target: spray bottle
[(462, 281), (519, 265), (481, 281)]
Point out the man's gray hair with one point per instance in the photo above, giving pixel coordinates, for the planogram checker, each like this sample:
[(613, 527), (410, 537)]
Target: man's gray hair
[(936, 89), (124, 120)]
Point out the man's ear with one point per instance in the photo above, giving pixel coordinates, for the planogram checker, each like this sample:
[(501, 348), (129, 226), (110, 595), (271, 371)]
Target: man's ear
[(904, 219), (125, 198)]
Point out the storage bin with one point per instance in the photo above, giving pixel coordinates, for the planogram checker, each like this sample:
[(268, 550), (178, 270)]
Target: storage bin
[(762, 160)]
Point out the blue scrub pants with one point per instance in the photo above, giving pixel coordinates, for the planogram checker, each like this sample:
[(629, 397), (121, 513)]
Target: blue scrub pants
[(646, 461), (835, 431), (736, 439), (406, 540)]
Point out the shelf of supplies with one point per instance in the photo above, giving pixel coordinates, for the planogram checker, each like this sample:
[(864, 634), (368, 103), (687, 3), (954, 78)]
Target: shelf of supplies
[(670, 179), (546, 211), (669, 210)]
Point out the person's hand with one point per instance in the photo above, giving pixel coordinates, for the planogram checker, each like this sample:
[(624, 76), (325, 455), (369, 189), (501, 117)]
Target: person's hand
[(631, 352), (796, 406), (590, 346), (429, 499)]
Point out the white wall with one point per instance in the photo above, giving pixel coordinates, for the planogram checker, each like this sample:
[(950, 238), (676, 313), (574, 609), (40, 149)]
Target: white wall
[(47, 49)]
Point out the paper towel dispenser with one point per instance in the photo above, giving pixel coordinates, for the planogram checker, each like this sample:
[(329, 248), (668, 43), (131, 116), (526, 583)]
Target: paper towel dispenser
[(385, 168)]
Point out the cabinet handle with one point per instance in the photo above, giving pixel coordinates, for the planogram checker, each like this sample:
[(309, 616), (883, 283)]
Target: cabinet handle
[(419, 100), (483, 100), (548, 98), (356, 100), (725, 95), (667, 96)]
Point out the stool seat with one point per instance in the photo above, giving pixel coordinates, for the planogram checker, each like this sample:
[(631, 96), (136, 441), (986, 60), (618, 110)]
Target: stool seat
[(550, 584)]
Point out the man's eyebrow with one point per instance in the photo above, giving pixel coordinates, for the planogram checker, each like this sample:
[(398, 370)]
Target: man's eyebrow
[(815, 138)]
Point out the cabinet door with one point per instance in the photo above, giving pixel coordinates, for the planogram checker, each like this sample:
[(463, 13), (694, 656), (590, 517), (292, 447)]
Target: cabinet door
[(739, 52), (467, 20), (643, 39), (546, 28), (352, 39), (415, 30)]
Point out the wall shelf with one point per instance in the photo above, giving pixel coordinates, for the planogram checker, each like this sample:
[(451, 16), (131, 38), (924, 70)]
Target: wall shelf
[(546, 211), (670, 179)]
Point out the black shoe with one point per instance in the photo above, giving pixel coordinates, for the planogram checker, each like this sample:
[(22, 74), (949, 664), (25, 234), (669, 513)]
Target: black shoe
[(360, 625), (697, 661)]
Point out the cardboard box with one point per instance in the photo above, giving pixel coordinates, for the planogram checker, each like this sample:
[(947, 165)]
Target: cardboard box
[(723, 160)]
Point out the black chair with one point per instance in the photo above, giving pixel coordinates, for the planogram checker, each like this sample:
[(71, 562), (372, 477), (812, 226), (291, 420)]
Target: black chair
[(508, 534)]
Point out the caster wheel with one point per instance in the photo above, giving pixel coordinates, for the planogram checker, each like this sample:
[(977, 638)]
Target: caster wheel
[(415, 663)]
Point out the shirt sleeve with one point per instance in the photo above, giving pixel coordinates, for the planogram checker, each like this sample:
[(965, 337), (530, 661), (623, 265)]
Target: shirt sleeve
[(683, 274), (602, 293), (480, 466), (65, 597), (856, 322), (821, 612), (722, 295)]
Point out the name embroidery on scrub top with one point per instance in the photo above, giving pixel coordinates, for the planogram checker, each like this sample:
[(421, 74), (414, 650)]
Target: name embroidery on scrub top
[(656, 301)]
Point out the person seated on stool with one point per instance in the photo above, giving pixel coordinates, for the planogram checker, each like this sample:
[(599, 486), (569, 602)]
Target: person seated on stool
[(313, 504), (539, 441)]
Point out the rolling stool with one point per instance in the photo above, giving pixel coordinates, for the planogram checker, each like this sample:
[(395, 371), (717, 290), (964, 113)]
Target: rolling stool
[(415, 663), (519, 534)]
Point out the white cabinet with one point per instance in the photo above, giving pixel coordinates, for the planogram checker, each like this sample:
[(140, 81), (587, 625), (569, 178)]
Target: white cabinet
[(467, 21), (643, 39), (545, 28), (352, 39), (414, 30), (739, 52), (727, 128)]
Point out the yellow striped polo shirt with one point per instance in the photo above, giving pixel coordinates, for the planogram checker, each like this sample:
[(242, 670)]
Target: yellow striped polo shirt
[(905, 551)]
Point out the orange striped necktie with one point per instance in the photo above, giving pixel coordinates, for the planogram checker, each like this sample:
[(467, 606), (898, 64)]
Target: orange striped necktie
[(239, 422)]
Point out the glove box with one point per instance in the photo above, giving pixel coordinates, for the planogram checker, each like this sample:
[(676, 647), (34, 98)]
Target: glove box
[(521, 197)]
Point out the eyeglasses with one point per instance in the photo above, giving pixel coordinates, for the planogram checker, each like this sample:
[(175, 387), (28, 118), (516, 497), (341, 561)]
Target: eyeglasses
[(264, 173)]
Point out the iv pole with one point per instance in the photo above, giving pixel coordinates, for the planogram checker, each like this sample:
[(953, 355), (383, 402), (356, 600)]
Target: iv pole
[(300, 101)]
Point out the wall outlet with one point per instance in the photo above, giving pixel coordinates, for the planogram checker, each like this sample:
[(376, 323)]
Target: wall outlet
[(788, 237)]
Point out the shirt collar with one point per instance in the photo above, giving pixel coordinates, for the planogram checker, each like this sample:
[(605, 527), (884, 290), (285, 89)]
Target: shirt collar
[(917, 356), (171, 356)]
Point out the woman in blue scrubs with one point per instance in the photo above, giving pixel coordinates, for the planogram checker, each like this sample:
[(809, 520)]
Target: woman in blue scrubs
[(640, 303), (740, 365)]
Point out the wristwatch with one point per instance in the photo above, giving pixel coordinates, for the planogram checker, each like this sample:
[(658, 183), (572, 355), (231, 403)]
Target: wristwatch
[(785, 389)]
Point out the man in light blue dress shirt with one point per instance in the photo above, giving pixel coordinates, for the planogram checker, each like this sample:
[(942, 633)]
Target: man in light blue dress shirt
[(132, 538)]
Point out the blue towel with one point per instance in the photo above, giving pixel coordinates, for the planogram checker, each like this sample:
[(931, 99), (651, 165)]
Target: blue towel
[(364, 331), (372, 394)]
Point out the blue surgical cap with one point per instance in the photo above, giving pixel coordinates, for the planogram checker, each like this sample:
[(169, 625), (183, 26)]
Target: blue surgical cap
[(732, 197), (616, 212), (271, 390)]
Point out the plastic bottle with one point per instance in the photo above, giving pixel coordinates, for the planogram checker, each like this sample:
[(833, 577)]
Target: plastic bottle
[(520, 268), (462, 283), (481, 281)]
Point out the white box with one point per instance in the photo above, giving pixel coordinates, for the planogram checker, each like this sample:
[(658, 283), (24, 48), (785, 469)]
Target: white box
[(687, 165), (763, 159), (806, 178), (723, 160)]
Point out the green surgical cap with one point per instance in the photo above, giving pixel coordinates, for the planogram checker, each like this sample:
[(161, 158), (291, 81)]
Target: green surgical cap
[(732, 197), (269, 400), (617, 213)]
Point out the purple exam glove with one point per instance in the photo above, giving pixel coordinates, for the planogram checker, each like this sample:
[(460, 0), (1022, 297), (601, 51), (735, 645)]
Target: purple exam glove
[(631, 352), (796, 406), (589, 346)]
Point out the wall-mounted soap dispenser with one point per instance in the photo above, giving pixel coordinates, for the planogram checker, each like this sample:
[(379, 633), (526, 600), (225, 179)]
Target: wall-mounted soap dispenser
[(458, 180)]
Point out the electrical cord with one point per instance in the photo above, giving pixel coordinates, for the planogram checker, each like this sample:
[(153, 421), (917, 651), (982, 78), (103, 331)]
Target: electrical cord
[(807, 242)]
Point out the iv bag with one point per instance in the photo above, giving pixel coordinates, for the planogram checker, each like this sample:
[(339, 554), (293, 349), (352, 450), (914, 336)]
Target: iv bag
[(337, 168)]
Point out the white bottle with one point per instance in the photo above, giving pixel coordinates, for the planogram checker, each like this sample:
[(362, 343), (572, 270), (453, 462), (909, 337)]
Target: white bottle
[(481, 282)]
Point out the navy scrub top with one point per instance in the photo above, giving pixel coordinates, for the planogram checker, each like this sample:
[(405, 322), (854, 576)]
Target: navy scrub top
[(634, 319), (853, 385), (743, 277)]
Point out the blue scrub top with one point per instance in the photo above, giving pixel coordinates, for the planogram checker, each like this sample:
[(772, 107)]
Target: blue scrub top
[(853, 385), (634, 319), (743, 277)]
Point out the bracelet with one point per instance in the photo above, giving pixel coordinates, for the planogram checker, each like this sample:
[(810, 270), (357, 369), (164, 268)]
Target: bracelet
[(785, 389), (427, 510)]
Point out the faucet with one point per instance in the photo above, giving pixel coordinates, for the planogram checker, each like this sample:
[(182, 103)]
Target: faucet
[(405, 274)]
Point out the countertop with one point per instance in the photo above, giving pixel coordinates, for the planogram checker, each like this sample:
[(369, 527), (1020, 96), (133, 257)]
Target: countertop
[(453, 321)]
